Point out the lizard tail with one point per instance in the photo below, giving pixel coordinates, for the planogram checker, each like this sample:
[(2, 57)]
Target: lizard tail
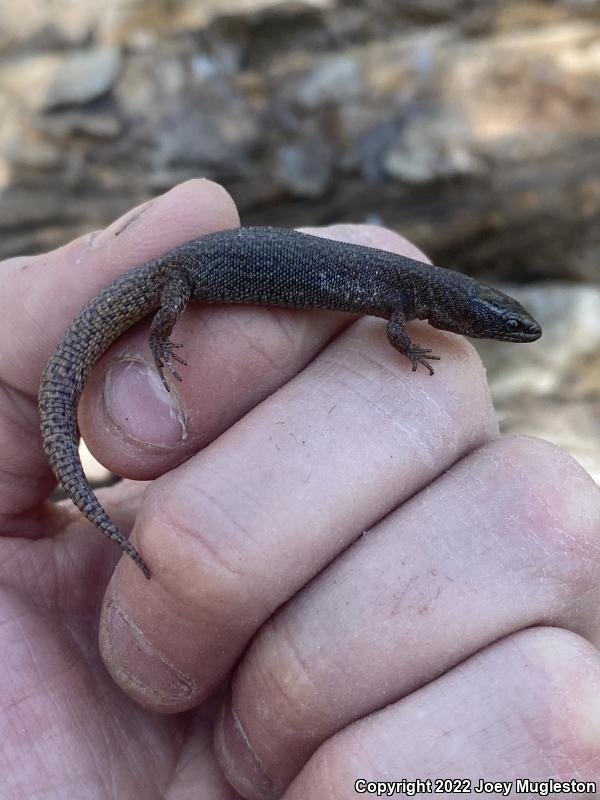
[(62, 383), (58, 410)]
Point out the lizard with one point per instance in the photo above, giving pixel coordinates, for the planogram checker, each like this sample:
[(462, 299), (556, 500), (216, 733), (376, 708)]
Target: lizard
[(263, 266)]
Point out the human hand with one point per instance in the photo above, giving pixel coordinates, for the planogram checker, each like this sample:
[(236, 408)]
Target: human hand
[(472, 555)]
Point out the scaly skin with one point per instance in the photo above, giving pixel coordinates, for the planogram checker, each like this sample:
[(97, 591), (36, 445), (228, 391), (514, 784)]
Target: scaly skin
[(264, 266)]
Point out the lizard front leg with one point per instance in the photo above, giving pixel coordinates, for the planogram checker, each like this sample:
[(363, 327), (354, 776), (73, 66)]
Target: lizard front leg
[(400, 339), (173, 300)]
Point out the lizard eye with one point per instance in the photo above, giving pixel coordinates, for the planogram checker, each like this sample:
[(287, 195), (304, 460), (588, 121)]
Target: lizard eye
[(512, 324)]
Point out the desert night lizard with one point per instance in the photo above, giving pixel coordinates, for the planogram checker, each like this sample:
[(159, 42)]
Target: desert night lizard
[(263, 266)]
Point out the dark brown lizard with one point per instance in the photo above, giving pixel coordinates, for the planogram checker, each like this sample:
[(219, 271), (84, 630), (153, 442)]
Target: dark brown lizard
[(267, 266)]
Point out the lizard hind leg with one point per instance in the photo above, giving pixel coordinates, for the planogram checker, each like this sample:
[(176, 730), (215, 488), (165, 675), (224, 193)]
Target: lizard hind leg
[(173, 300)]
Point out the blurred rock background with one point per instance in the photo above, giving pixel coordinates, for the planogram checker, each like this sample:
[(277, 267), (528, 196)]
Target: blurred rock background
[(471, 127)]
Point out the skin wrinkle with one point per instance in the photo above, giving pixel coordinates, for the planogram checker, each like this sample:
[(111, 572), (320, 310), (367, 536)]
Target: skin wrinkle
[(355, 345), (286, 322), (49, 584), (253, 498), (143, 767), (15, 569), (370, 398), (55, 714), (333, 762), (241, 492), (18, 411), (95, 744), (13, 730), (11, 359), (209, 545), (302, 475), (42, 676), (430, 443), (256, 346), (365, 360), (284, 326), (542, 502), (15, 478), (20, 484), (294, 679)]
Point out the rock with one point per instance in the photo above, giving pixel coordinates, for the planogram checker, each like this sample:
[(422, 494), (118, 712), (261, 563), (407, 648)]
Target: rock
[(99, 125), (45, 82), (330, 80), (551, 388), (83, 77), (30, 22), (207, 134), (428, 149), (140, 21), (305, 169)]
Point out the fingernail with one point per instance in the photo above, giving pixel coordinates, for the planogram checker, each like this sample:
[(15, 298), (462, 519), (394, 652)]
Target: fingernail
[(137, 663), (243, 768), (138, 404)]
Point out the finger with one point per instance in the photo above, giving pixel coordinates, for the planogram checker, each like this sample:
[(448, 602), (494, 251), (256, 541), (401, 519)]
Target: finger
[(487, 549), (240, 527), (525, 709), (235, 357), (51, 289)]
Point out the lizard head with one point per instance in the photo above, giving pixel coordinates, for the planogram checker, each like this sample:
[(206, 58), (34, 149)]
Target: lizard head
[(490, 314)]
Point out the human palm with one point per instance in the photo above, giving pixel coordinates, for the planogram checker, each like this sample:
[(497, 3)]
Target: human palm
[(67, 729)]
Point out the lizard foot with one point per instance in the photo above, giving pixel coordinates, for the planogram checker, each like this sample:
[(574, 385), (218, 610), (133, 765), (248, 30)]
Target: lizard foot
[(164, 355), (420, 355)]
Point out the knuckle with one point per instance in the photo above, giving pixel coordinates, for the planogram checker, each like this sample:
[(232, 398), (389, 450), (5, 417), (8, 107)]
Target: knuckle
[(283, 701), (200, 538), (287, 677), (563, 681), (558, 506)]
